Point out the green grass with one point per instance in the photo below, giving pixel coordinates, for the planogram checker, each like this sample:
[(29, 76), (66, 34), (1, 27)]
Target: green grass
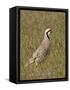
[(32, 27)]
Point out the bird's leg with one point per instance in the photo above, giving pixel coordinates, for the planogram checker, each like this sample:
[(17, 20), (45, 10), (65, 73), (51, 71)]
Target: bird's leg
[(36, 63)]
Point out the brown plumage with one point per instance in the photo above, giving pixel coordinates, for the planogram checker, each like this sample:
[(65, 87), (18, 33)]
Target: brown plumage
[(41, 52)]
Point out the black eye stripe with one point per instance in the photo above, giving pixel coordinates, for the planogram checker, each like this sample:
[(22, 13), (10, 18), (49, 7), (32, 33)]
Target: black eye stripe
[(47, 34), (49, 31)]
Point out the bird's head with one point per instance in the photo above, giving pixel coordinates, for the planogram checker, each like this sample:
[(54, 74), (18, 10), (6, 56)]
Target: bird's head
[(47, 33)]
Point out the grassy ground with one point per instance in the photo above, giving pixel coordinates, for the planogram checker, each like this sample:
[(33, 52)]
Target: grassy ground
[(32, 27)]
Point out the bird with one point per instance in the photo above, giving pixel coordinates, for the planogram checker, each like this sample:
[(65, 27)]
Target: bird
[(42, 50)]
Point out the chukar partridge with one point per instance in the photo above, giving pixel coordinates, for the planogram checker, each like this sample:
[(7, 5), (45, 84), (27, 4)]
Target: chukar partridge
[(42, 50)]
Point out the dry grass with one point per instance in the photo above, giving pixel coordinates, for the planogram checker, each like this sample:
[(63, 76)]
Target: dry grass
[(32, 27)]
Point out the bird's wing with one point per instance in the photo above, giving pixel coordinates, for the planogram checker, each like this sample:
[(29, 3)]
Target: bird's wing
[(42, 48)]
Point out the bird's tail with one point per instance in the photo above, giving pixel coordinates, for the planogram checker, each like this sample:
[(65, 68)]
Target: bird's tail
[(30, 61)]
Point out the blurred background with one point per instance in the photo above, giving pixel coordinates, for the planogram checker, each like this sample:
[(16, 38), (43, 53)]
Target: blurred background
[(32, 27)]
